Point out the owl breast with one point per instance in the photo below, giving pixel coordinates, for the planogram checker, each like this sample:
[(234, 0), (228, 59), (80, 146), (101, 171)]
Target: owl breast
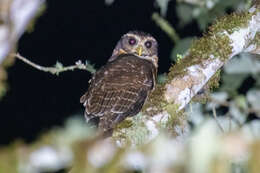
[(118, 90)]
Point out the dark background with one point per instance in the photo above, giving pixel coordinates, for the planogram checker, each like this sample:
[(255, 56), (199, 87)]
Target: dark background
[(66, 32)]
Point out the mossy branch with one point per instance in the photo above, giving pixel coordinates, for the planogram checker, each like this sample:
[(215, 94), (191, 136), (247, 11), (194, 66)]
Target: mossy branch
[(58, 68), (229, 36)]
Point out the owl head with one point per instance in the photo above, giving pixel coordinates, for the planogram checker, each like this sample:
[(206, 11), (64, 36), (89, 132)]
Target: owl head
[(138, 43)]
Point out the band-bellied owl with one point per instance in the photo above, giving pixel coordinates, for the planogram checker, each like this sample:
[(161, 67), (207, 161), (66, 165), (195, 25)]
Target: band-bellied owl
[(120, 88)]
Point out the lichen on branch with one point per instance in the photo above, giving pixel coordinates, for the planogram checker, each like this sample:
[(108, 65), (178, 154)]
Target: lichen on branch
[(227, 37), (224, 40)]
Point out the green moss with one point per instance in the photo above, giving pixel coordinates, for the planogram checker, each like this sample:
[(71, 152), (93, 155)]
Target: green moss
[(214, 44), (214, 80), (132, 131), (231, 23), (159, 104), (154, 103), (176, 117), (125, 124), (172, 109), (179, 69), (201, 49), (217, 45)]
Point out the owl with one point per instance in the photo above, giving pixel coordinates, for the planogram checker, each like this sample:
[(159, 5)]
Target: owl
[(120, 88)]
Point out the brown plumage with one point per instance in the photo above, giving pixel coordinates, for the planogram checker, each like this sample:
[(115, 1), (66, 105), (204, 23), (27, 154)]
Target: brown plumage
[(120, 88)]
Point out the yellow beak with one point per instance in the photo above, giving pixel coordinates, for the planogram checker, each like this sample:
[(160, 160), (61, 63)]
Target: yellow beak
[(139, 50)]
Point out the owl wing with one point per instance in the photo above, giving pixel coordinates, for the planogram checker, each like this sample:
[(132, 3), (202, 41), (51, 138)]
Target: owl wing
[(119, 89)]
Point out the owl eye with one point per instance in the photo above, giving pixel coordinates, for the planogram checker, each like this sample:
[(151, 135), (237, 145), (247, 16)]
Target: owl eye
[(132, 41), (148, 44)]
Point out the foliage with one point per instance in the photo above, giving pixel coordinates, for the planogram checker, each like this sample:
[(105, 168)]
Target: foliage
[(75, 148)]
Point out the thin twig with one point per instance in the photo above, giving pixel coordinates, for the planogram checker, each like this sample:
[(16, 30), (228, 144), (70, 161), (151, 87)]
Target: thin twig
[(216, 119), (58, 68)]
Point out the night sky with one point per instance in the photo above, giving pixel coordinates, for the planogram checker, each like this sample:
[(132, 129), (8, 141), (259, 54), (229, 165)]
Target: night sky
[(66, 32)]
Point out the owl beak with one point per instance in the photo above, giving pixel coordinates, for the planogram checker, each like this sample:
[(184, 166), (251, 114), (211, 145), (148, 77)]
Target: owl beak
[(139, 50)]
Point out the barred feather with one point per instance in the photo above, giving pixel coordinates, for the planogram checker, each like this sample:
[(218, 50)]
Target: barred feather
[(117, 91)]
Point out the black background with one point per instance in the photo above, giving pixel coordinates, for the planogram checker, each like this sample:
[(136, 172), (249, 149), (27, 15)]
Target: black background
[(66, 32)]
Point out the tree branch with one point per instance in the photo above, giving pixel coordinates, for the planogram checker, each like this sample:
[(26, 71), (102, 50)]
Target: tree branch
[(183, 86), (58, 68), (14, 19), (228, 37)]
